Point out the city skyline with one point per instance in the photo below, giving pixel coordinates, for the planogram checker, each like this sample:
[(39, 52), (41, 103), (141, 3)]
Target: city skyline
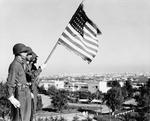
[(124, 43)]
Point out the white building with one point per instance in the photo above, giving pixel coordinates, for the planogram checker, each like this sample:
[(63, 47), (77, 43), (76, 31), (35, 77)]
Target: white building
[(121, 84), (103, 87), (59, 84), (48, 83), (79, 86)]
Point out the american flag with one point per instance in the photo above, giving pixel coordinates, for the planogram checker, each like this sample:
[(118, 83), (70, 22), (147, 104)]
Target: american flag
[(80, 35)]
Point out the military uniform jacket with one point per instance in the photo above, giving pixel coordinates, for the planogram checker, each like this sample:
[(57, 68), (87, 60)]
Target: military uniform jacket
[(16, 83), (32, 74)]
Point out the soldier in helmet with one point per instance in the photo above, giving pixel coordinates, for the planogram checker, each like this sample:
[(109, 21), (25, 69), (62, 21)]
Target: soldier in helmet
[(32, 73), (19, 93)]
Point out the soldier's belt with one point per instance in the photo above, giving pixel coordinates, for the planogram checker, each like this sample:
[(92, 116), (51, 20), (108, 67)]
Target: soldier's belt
[(24, 85)]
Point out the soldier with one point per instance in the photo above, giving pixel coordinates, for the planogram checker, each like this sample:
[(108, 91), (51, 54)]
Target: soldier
[(32, 73), (19, 93)]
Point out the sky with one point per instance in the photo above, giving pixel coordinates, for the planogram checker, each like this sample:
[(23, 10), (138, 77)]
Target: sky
[(124, 45)]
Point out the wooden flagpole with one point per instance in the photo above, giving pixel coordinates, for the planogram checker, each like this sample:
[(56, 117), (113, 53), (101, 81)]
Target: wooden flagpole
[(51, 53)]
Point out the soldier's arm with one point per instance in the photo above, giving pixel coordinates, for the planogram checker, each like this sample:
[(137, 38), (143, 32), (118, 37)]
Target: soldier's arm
[(28, 70), (37, 72), (11, 80)]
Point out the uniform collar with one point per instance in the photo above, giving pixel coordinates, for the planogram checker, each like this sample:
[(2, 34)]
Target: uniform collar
[(19, 59)]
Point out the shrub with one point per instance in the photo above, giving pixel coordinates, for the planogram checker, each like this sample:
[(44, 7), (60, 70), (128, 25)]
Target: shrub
[(105, 118), (87, 119), (75, 118), (4, 102)]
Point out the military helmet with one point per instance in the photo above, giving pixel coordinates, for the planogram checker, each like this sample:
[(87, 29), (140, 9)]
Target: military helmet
[(19, 48), (34, 56), (29, 51)]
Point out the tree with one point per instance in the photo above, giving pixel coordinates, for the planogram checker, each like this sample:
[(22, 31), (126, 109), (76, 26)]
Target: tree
[(143, 102), (128, 88), (75, 118), (126, 117), (97, 95), (42, 90), (4, 102), (84, 95), (87, 119), (52, 91), (124, 92), (114, 98), (59, 100), (114, 83)]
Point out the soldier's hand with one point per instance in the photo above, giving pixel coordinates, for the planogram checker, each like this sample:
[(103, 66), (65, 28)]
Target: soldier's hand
[(43, 66), (14, 101), (32, 95)]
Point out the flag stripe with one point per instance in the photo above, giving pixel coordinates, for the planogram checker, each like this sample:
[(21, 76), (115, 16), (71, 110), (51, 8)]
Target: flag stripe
[(91, 40), (93, 33), (76, 47), (71, 48), (90, 47), (91, 27), (88, 32), (76, 43), (88, 40), (76, 34)]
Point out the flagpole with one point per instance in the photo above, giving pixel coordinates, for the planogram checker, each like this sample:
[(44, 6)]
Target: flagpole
[(55, 46), (51, 53), (82, 1)]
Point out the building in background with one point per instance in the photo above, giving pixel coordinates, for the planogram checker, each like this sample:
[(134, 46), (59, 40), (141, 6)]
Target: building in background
[(79, 86), (56, 83), (103, 86)]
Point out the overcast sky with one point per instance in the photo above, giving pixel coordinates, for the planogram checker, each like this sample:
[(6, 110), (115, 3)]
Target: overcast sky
[(124, 44)]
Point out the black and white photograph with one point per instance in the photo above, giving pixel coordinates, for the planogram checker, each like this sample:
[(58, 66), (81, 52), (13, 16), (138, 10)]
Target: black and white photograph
[(75, 60)]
